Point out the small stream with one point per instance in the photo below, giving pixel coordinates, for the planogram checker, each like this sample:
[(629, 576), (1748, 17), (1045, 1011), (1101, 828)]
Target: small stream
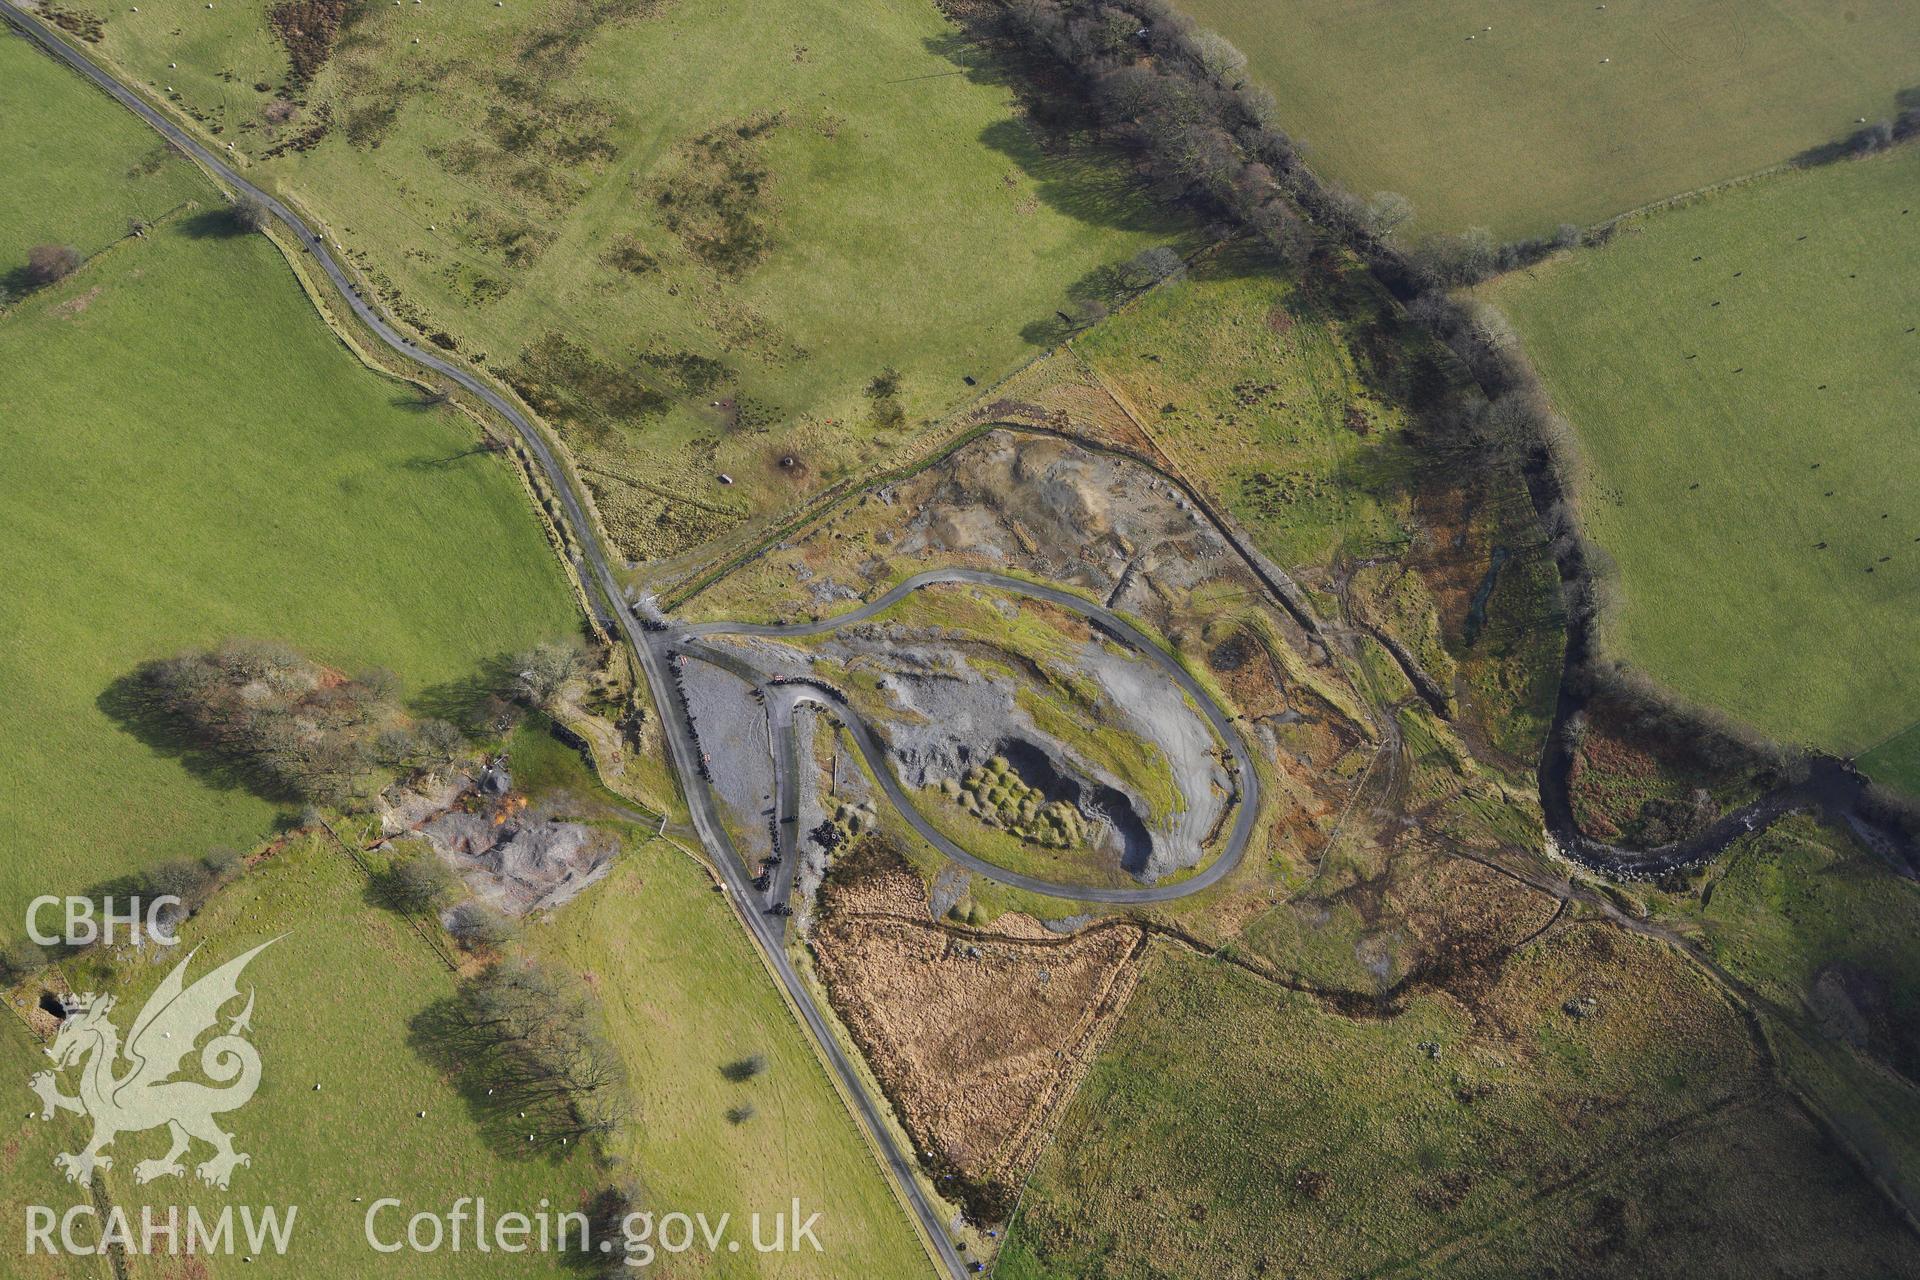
[(1477, 608)]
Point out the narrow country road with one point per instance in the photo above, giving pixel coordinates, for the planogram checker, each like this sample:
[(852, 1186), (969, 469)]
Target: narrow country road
[(1247, 801), (597, 575)]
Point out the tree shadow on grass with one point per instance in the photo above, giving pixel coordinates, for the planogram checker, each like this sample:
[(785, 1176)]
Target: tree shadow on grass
[(130, 704), (1053, 140), (1870, 137), (478, 705), (212, 224), (503, 1112), (445, 462), (1085, 180), (18, 283), (517, 1108)]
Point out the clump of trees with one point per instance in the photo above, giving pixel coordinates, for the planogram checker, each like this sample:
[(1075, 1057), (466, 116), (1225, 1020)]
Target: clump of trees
[(1869, 138), (287, 726), (1093, 297), (607, 1214), (50, 263), (478, 927), (1150, 266), (191, 882), (419, 883), (1178, 98), (533, 1054), (423, 746), (1474, 255), (538, 674)]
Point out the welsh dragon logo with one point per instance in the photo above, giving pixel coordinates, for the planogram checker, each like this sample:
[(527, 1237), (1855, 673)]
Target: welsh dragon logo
[(145, 1094)]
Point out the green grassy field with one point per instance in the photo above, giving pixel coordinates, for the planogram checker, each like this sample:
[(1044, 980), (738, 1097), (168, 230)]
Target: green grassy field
[(27, 1173), (1523, 127), (193, 455), (1799, 900), (334, 1000), (93, 166), (685, 996), (1741, 374), (694, 235), (1896, 761)]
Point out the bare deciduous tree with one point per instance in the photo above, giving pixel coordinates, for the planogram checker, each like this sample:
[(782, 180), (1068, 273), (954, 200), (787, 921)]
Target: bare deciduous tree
[(478, 927), (250, 213), (531, 1036), (48, 263), (539, 673), (419, 882), (1387, 212)]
